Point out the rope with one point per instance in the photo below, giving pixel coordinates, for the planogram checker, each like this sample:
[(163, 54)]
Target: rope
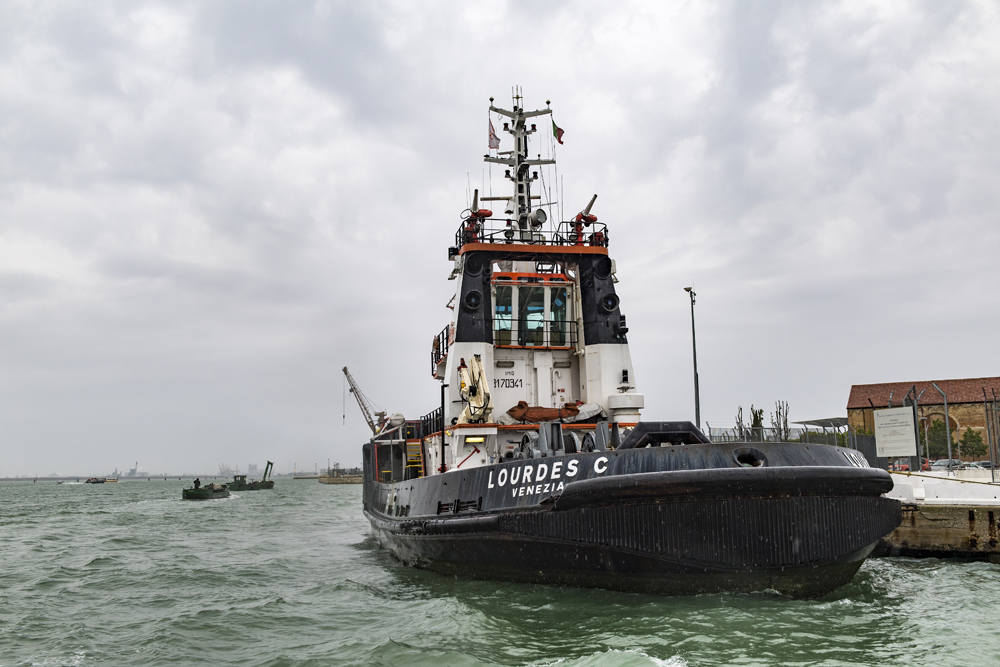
[(950, 479)]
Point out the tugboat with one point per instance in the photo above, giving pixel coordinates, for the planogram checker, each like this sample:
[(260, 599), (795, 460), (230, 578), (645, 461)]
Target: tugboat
[(205, 492), (240, 482), (536, 467)]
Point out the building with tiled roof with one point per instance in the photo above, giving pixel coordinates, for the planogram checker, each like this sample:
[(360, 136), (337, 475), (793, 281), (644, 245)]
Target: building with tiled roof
[(967, 399)]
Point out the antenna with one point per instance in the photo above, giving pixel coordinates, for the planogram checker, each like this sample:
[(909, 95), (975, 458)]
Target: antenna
[(519, 162)]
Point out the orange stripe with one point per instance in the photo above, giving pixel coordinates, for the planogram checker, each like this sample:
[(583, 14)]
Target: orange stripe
[(523, 427)]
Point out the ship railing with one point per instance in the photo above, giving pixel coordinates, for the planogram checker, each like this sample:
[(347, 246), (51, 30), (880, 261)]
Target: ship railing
[(568, 233), (546, 334), (432, 422), (439, 350)]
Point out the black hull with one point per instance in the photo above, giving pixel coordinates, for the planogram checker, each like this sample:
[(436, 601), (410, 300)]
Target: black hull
[(802, 530), (203, 494), (251, 486)]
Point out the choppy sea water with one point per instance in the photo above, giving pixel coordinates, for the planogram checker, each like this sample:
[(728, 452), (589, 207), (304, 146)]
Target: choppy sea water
[(128, 574)]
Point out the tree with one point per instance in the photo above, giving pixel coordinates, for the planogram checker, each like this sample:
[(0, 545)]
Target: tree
[(757, 422), (972, 444), (779, 421), (938, 446), (741, 429)]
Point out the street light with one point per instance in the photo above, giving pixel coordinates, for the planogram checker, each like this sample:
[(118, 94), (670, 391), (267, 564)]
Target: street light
[(694, 354)]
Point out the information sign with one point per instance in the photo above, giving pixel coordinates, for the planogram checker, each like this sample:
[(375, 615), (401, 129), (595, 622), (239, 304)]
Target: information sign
[(894, 432)]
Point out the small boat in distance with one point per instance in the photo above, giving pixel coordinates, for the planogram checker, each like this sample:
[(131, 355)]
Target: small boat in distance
[(206, 492), (96, 480), (240, 482)]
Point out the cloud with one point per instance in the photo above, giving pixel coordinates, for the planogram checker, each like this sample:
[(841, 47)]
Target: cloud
[(207, 210)]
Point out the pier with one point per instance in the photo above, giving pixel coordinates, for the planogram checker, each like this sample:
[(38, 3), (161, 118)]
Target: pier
[(945, 515)]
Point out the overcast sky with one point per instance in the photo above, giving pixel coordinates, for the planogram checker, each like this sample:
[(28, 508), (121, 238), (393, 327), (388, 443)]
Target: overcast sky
[(208, 208)]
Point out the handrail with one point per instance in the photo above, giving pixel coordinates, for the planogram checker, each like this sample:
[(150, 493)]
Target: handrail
[(432, 422), (439, 350), (552, 334), (489, 230)]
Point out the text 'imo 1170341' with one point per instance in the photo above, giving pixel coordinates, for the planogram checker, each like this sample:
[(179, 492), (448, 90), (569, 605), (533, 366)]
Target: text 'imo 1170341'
[(536, 466)]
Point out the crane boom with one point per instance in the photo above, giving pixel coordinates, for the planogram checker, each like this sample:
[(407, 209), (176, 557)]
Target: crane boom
[(374, 419)]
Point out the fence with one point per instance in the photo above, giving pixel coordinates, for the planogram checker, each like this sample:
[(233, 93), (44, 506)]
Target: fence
[(993, 431), (865, 444), (768, 434)]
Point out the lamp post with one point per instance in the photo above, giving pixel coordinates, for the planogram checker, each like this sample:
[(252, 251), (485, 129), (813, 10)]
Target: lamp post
[(694, 354)]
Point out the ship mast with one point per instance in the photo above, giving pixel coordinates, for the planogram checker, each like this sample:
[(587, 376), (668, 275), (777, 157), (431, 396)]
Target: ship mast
[(518, 162)]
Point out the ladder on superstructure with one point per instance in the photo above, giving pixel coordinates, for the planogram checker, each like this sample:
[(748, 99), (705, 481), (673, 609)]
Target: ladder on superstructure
[(415, 455)]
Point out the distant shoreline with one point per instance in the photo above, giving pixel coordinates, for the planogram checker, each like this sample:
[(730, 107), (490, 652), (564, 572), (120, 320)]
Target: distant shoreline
[(144, 478), (83, 478)]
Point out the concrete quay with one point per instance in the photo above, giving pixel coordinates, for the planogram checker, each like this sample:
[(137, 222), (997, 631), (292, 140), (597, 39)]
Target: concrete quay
[(945, 515)]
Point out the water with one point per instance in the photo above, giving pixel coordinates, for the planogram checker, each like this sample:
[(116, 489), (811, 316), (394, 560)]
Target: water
[(128, 574)]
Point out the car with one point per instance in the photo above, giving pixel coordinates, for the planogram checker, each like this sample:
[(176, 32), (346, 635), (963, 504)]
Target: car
[(948, 464), (985, 465), (902, 464)]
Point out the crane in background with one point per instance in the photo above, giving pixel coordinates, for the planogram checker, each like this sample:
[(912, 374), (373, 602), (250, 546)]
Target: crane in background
[(375, 419)]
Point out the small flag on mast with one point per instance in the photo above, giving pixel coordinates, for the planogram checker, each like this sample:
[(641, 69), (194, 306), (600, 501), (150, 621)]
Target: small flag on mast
[(494, 139), (557, 132)]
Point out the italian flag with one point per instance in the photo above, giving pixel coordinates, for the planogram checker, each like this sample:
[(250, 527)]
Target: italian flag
[(557, 132)]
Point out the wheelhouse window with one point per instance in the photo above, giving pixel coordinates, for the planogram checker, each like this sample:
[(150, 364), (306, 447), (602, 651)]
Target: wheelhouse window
[(557, 316), (503, 314), (533, 315)]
